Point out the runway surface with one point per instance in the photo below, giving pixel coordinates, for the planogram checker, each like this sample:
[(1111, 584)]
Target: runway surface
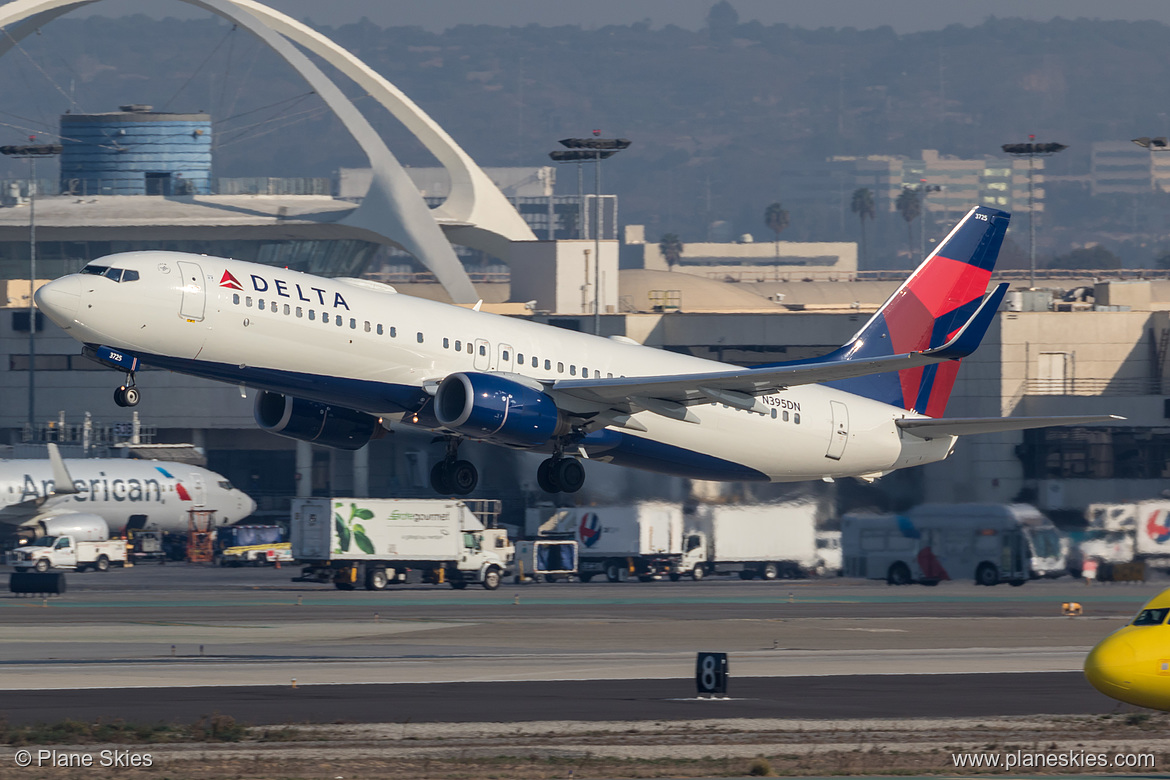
[(181, 642), (836, 697)]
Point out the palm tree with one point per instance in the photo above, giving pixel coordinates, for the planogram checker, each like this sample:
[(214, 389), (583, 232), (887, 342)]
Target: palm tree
[(776, 218), (909, 206), (864, 207), (671, 249)]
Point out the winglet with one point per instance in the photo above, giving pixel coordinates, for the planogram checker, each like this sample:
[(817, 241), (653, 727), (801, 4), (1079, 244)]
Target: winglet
[(968, 337), (62, 482)]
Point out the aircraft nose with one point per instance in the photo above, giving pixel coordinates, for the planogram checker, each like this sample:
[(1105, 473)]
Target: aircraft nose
[(1109, 666), (60, 299), (247, 504)]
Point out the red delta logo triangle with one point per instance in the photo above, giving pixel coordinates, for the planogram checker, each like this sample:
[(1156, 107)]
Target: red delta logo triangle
[(229, 281)]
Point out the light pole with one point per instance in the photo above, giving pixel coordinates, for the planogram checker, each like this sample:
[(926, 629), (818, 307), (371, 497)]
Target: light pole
[(31, 152), (578, 150), (1031, 150)]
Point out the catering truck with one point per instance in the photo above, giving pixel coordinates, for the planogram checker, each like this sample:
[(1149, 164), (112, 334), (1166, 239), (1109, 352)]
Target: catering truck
[(991, 543), (643, 540), (768, 541), (1127, 532), (85, 549), (377, 542)]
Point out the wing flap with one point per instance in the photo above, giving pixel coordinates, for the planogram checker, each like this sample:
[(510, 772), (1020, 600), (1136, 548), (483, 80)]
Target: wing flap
[(928, 428)]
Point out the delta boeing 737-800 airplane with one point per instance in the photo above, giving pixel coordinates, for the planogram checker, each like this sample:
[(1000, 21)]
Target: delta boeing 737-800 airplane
[(336, 360)]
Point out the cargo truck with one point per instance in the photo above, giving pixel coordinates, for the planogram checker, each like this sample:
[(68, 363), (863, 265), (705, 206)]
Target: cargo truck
[(373, 543), (642, 540), (768, 541), (88, 549), (1128, 532), (991, 543)]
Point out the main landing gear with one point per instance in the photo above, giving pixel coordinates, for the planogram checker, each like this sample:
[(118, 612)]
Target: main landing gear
[(127, 394), (452, 476), (559, 474)]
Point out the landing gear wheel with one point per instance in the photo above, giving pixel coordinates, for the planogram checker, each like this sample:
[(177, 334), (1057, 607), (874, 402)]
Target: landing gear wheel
[(544, 477), (569, 474), (441, 479), (462, 477), (127, 396)]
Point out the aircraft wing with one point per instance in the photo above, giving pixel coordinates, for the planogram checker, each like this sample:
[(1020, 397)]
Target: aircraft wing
[(739, 387), (928, 428)]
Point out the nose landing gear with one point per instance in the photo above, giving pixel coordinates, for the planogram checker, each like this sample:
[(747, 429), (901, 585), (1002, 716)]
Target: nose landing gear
[(127, 394)]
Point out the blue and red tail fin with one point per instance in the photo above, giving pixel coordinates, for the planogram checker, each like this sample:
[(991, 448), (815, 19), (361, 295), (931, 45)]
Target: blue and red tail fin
[(925, 312)]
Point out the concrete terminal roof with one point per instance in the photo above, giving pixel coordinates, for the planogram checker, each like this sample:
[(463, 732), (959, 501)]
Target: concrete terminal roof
[(697, 293), (64, 218)]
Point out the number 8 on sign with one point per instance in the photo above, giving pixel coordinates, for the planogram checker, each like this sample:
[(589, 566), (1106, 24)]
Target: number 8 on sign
[(711, 673)]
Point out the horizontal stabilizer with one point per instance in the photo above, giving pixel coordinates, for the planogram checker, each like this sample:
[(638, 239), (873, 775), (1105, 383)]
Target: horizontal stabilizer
[(927, 427)]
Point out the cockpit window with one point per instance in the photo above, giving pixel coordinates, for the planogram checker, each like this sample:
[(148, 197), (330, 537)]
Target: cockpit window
[(223, 483), (117, 274), (1151, 617)]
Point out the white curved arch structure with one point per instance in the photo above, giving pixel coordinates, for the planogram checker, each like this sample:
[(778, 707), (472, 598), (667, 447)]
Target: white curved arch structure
[(475, 214)]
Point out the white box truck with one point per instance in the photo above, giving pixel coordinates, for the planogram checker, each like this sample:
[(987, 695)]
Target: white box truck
[(1133, 531), (641, 540), (990, 543), (375, 542), (768, 541), (92, 549)]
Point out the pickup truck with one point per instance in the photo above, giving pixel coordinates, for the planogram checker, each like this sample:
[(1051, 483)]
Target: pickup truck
[(64, 552)]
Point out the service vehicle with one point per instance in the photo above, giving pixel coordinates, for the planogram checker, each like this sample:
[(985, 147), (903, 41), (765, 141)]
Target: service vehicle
[(257, 554), (1128, 532), (768, 541), (87, 549), (373, 542), (643, 540), (991, 543), (829, 561), (550, 559)]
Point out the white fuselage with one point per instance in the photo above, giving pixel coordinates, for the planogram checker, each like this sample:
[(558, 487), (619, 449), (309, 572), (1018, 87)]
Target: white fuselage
[(360, 344), (157, 494)]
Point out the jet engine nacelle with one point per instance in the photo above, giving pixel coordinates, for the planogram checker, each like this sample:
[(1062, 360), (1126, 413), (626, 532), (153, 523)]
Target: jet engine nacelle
[(332, 426), (83, 527), (498, 409)]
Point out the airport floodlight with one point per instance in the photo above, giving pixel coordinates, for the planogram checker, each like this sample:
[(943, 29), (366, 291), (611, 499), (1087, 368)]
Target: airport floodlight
[(31, 152), (595, 143), (1153, 144), (578, 155), (579, 150), (1032, 150)]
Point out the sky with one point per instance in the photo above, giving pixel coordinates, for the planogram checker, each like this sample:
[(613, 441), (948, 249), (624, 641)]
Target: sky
[(903, 15)]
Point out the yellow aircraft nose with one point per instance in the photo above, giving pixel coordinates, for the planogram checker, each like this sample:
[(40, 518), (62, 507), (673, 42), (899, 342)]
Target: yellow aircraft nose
[(1110, 666)]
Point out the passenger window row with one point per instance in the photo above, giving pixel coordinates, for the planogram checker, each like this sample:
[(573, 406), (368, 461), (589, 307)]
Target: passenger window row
[(311, 314), (459, 345), (775, 415)]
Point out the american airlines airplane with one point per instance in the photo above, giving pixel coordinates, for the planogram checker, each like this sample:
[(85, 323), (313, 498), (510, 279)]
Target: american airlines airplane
[(57, 497), (338, 361)]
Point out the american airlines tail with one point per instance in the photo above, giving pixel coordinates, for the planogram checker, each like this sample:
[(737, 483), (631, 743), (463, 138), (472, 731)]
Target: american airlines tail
[(938, 299)]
